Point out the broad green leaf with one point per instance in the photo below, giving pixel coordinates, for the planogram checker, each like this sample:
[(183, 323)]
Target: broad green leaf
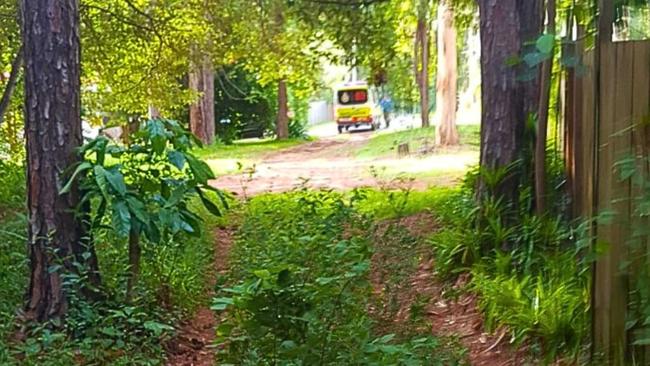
[(221, 303), (177, 158), (209, 205), (157, 328), (100, 180), (201, 171), (220, 194), (80, 168), (177, 196), (121, 218), (158, 135), (116, 180), (545, 43), (533, 59), (138, 209), (152, 232)]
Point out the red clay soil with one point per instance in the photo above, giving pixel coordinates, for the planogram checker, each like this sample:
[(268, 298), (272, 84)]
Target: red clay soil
[(193, 344), (457, 318)]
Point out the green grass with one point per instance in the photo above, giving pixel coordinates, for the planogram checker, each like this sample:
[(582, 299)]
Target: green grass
[(388, 203), (385, 144), (224, 159)]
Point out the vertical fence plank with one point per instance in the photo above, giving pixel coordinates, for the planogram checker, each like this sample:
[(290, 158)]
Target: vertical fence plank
[(640, 113), (603, 268), (588, 129), (621, 193)]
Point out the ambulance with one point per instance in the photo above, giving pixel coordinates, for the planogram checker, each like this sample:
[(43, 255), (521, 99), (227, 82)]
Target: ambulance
[(354, 106)]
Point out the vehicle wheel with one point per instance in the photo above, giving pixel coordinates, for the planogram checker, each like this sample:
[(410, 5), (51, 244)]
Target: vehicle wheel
[(340, 129)]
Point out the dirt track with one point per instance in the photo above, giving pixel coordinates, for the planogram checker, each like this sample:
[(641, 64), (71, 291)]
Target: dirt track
[(330, 163), (319, 164)]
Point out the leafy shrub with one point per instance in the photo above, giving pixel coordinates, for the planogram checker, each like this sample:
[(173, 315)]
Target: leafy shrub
[(117, 330), (301, 288), (297, 129)]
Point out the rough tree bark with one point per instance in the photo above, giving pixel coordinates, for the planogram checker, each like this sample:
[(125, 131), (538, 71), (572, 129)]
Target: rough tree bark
[(502, 119), (11, 83), (282, 123), (202, 112), (542, 119), (421, 63), (447, 133), (530, 19), (50, 31)]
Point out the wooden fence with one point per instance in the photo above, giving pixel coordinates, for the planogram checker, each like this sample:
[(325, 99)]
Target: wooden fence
[(607, 134)]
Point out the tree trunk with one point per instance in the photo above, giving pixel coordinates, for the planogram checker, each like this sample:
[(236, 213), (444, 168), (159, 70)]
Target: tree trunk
[(11, 84), (502, 119), (50, 31), (542, 122), (202, 121), (447, 133), (134, 264), (153, 112), (282, 125), (422, 65), (530, 20)]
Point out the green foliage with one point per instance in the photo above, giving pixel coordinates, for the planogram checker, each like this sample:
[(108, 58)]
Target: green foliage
[(297, 129), (301, 289), (150, 183), (240, 100), (145, 187), (12, 185), (551, 308), (531, 272)]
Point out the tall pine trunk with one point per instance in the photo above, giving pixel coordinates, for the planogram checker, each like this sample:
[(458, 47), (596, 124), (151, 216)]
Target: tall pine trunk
[(421, 62), (50, 31), (530, 20), (447, 133), (502, 119), (202, 121), (282, 123)]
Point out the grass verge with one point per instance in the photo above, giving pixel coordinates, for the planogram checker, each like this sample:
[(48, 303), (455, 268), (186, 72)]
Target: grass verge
[(385, 144)]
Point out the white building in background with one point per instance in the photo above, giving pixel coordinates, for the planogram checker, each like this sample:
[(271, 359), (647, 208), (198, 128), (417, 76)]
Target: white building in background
[(320, 111), (469, 100)]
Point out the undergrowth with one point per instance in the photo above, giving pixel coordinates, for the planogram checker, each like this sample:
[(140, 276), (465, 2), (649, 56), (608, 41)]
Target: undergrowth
[(299, 289), (531, 273), (112, 330)]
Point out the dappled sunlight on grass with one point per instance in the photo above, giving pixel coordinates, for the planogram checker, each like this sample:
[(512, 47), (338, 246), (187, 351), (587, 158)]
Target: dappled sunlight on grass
[(384, 144), (447, 163)]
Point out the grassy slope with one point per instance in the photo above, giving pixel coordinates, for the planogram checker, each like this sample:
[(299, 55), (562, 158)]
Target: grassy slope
[(443, 166), (223, 159), (382, 145)]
